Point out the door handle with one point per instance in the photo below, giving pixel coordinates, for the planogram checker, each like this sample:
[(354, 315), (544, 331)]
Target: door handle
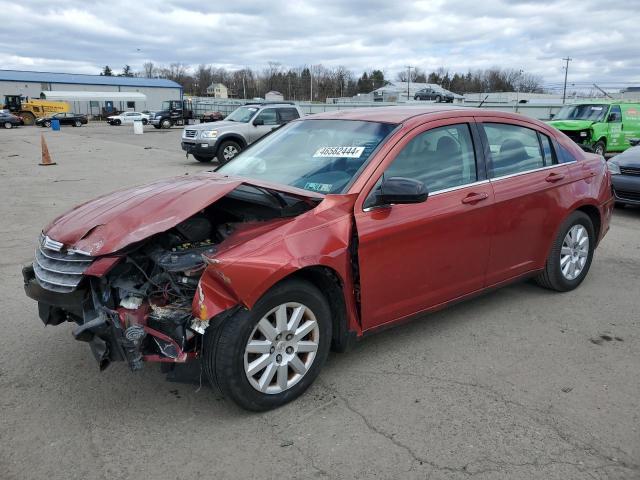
[(473, 198), (554, 177)]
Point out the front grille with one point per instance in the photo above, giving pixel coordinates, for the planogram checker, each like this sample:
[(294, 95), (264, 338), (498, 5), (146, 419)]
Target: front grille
[(190, 133), (574, 135), (626, 195), (57, 271), (630, 170)]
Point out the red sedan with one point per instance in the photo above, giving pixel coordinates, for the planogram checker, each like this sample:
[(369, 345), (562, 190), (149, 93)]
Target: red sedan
[(333, 226)]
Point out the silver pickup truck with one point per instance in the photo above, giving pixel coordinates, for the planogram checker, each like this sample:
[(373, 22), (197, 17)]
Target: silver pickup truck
[(225, 139)]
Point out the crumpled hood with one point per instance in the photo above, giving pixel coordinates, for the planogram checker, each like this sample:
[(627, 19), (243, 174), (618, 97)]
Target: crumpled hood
[(573, 125), (113, 221)]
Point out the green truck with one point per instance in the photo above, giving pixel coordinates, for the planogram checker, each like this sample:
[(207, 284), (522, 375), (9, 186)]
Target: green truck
[(601, 126)]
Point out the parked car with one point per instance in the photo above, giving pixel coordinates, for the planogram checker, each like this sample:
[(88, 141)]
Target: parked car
[(433, 94), (128, 117), (332, 227), (211, 117), (225, 139), (601, 126), (8, 120), (625, 175), (73, 119)]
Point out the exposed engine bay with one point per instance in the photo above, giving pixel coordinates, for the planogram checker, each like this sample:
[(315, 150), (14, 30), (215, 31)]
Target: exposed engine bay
[(141, 309)]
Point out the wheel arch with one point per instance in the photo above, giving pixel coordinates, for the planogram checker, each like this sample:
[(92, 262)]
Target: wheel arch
[(233, 137), (594, 214), (330, 284)]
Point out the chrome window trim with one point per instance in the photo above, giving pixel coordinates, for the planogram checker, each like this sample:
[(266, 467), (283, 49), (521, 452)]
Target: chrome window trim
[(436, 192), (511, 175)]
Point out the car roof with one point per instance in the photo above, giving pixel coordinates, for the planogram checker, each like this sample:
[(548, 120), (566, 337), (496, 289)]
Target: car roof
[(400, 114)]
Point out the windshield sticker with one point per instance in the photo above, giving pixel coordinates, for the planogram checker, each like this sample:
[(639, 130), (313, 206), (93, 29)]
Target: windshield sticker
[(344, 152), (318, 187), (597, 109)]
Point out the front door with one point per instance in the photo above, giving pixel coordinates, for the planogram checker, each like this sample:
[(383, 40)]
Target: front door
[(616, 129), (262, 124), (414, 257)]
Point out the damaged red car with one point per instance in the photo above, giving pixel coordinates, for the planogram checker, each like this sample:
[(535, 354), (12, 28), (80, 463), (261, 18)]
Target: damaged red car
[(331, 227)]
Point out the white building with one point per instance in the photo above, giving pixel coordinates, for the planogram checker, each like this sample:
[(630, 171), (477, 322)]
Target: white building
[(90, 94), (217, 90)]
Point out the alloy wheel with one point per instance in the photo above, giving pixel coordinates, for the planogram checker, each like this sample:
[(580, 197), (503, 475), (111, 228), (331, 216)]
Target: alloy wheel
[(574, 252), (229, 152), (281, 348)]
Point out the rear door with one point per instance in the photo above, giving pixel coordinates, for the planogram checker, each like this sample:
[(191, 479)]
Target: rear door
[(413, 257), (287, 114), (529, 187)]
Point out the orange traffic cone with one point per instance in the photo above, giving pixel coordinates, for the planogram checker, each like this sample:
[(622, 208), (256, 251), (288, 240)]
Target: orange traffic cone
[(46, 158)]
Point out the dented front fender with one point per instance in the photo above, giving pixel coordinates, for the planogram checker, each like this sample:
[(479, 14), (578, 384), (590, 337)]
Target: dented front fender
[(258, 256)]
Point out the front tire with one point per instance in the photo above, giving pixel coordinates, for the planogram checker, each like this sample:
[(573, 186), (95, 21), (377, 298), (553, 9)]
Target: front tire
[(571, 254), (165, 123), (202, 159), (268, 356), (600, 148), (77, 123), (8, 125), (47, 124), (144, 121), (227, 151)]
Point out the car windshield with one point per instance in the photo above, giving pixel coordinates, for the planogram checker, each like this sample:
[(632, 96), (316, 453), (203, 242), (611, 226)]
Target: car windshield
[(594, 113), (317, 155), (242, 114)]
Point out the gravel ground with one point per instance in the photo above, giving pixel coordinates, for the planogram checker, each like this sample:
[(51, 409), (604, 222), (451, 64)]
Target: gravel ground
[(519, 383)]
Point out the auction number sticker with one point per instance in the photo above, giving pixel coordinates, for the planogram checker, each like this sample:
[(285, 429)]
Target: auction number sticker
[(344, 152)]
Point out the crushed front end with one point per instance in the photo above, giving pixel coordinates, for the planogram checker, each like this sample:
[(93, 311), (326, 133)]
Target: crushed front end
[(134, 306)]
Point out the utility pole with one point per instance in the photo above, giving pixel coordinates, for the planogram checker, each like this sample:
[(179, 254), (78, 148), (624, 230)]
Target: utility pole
[(244, 89), (566, 71), (409, 67)]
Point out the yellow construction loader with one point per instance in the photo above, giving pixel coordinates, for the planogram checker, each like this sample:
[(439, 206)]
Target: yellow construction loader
[(31, 108)]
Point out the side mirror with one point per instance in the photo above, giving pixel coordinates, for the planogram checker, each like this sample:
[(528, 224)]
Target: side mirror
[(634, 142), (613, 117), (258, 121), (551, 116), (400, 190)]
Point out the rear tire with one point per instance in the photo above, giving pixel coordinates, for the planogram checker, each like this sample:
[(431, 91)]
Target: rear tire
[(202, 159), (567, 252), (144, 121), (228, 360), (438, 98), (227, 151), (77, 123)]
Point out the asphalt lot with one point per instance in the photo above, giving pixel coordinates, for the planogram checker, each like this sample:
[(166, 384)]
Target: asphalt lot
[(516, 384)]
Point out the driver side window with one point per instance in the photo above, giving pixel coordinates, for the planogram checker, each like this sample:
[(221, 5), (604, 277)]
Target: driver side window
[(268, 116), (440, 158)]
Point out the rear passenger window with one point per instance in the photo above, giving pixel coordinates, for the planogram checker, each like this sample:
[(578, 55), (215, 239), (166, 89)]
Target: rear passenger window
[(547, 149), (440, 158), (514, 149), (288, 114)]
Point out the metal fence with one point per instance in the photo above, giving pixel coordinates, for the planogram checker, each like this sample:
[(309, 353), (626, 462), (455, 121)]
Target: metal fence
[(539, 111)]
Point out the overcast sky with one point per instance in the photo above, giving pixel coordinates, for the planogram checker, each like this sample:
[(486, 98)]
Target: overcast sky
[(602, 37)]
